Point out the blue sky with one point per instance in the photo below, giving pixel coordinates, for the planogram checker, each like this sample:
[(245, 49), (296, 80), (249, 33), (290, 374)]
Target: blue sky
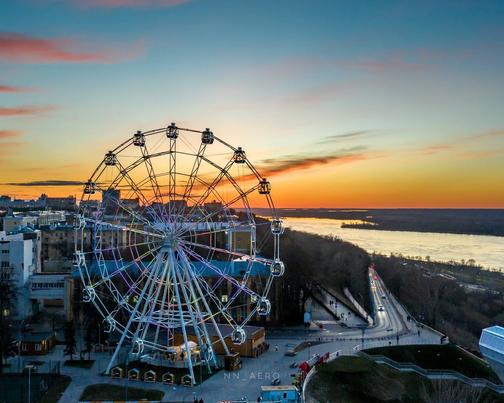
[(422, 82)]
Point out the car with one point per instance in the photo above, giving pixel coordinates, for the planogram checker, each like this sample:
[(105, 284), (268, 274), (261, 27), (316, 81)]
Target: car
[(290, 353), (275, 382), (384, 297), (294, 365), (390, 329), (381, 308)]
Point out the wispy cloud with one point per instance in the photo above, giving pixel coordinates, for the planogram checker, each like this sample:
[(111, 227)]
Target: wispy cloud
[(25, 110), (19, 48), (132, 3), (14, 89), (294, 162), (9, 134), (435, 148), (345, 136), (50, 182), (459, 145)]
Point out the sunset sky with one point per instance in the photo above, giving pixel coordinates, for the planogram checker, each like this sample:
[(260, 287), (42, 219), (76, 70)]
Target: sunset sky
[(340, 104)]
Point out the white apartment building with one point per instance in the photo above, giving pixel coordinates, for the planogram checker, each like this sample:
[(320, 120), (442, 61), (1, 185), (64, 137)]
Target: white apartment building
[(19, 259)]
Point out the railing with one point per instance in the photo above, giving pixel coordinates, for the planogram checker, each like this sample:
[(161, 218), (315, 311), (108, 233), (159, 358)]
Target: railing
[(361, 310), (434, 373)]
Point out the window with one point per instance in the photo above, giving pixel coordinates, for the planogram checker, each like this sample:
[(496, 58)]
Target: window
[(38, 347), (24, 347), (224, 298)]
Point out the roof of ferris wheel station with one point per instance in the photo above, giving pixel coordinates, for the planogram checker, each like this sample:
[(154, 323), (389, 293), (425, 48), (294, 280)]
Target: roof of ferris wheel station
[(212, 268)]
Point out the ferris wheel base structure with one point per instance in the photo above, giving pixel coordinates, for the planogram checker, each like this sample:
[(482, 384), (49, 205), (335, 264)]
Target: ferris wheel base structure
[(153, 216)]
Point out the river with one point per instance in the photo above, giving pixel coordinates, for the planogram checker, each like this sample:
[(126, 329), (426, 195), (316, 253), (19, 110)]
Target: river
[(487, 251)]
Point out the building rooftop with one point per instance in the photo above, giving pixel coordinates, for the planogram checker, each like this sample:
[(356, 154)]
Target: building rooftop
[(39, 336), (497, 331), (278, 388)]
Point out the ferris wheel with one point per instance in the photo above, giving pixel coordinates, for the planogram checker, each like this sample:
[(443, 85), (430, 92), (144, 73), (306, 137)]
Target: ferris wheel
[(168, 249)]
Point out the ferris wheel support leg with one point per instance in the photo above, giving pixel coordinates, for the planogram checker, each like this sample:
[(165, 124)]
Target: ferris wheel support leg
[(192, 313), (130, 321), (205, 303), (164, 273), (182, 322), (188, 276)]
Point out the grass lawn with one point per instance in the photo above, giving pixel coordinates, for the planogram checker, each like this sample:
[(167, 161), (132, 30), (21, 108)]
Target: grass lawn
[(56, 390), (358, 380), (104, 391), (448, 356), (86, 364), (14, 387)]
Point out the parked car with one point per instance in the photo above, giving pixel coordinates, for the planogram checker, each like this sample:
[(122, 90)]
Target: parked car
[(290, 353), (381, 308)]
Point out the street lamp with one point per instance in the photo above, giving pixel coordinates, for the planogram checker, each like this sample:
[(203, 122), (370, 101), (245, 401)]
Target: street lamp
[(30, 367)]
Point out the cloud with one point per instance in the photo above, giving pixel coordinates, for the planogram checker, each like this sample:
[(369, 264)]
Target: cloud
[(132, 3), (13, 89), (390, 63), (9, 133), (471, 155), (50, 182), (19, 48), (25, 110), (436, 148), (344, 136), (294, 162), (489, 134), (471, 140)]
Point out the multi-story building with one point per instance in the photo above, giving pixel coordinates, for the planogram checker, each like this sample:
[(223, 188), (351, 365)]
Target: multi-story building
[(68, 203), (54, 292), (19, 259), (15, 222)]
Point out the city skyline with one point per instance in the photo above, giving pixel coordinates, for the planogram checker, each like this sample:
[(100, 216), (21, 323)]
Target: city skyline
[(326, 98)]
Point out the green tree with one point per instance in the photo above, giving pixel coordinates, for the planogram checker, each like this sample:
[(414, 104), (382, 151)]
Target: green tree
[(89, 339), (70, 344)]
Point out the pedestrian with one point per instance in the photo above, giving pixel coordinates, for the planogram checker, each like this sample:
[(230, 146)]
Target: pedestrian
[(276, 347), (201, 400)]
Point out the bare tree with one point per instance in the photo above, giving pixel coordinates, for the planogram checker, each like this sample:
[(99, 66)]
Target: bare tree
[(445, 391)]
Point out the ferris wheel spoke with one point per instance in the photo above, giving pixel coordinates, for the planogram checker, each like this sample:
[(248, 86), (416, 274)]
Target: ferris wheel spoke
[(134, 187), (218, 271), (125, 228), (222, 208), (126, 267), (151, 174), (130, 321), (225, 251), (223, 172), (127, 210), (202, 286), (215, 231), (194, 172), (172, 178)]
